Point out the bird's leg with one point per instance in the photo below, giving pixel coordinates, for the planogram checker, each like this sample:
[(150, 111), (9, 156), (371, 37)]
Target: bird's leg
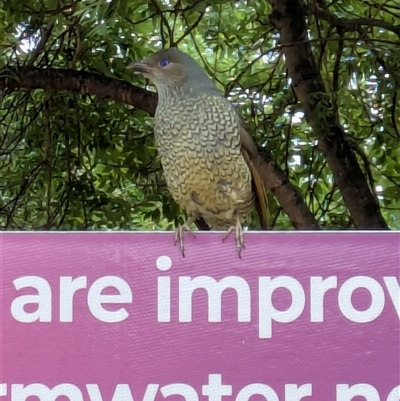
[(238, 235), (179, 233)]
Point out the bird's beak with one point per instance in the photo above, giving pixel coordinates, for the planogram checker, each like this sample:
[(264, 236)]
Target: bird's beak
[(140, 66)]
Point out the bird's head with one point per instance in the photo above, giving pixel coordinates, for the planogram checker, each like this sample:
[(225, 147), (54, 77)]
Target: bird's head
[(171, 69)]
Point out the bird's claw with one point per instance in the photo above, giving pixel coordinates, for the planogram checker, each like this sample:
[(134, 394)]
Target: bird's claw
[(179, 236), (238, 236)]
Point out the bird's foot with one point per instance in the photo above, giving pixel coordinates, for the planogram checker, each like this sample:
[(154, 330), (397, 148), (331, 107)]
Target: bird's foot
[(179, 236), (238, 235)]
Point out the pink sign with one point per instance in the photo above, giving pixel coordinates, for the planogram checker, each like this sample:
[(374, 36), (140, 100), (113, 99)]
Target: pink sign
[(123, 317)]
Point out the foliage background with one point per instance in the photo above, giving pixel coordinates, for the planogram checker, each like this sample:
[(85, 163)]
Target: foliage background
[(79, 161)]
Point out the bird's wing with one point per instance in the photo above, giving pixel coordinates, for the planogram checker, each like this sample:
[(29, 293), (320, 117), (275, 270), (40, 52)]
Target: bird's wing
[(252, 158)]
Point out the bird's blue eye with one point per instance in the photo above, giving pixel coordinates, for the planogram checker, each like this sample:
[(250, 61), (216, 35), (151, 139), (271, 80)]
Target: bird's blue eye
[(164, 63)]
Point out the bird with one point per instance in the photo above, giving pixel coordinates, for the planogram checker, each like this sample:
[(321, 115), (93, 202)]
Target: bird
[(209, 160)]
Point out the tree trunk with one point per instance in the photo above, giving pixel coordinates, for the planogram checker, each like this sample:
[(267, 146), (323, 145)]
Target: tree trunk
[(288, 17)]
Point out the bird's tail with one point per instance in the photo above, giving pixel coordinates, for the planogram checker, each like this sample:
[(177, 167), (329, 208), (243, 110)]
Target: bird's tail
[(259, 191)]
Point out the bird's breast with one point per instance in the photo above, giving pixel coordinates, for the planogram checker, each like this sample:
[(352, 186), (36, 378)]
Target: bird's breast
[(199, 145)]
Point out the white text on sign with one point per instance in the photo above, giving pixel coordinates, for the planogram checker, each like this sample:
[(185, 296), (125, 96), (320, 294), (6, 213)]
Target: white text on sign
[(385, 293), (214, 390)]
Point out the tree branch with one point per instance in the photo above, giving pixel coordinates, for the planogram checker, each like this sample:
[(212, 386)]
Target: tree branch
[(80, 82), (274, 177), (353, 25), (289, 197), (289, 18)]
